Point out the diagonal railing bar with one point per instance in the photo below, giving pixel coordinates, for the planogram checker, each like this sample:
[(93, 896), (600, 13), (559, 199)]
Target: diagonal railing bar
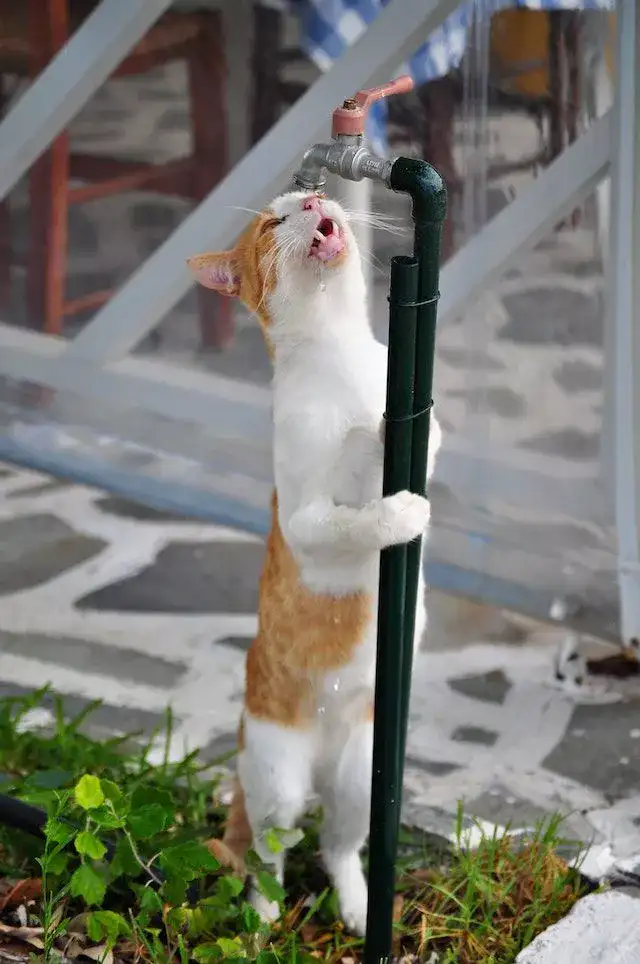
[(46, 360), (67, 83), (140, 304)]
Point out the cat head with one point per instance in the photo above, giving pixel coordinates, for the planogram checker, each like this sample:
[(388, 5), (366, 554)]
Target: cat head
[(293, 248)]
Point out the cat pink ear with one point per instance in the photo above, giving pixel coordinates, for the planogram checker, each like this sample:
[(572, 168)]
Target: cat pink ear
[(216, 270)]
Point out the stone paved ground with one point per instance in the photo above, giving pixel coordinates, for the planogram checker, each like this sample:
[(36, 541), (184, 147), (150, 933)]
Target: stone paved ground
[(106, 600)]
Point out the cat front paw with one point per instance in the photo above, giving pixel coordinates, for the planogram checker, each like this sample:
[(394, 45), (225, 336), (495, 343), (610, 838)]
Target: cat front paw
[(403, 517)]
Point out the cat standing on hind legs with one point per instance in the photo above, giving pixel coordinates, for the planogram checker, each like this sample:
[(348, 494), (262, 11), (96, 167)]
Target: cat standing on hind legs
[(307, 723)]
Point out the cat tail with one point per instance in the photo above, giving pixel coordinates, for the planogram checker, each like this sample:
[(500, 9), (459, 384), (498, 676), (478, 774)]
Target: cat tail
[(236, 841)]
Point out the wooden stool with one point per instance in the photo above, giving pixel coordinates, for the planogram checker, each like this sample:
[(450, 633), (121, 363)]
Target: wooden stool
[(31, 33)]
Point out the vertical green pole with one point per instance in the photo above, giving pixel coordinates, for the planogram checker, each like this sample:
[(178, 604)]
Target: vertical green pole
[(429, 196), (409, 386), (386, 786)]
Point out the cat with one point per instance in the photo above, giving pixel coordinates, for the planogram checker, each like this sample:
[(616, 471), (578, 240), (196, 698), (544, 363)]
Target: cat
[(307, 720)]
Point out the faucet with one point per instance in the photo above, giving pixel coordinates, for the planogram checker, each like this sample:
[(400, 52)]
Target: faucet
[(345, 155)]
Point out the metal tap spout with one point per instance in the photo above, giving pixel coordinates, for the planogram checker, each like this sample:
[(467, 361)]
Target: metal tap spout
[(311, 175), (345, 155)]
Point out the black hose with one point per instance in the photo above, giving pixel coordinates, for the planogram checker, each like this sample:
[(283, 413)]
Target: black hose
[(22, 816)]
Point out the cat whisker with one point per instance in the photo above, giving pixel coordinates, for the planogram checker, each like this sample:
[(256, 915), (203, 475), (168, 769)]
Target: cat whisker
[(354, 212), (373, 262), (281, 250), (237, 207), (371, 221)]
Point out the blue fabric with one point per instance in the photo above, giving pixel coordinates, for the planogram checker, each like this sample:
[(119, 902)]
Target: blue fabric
[(329, 27)]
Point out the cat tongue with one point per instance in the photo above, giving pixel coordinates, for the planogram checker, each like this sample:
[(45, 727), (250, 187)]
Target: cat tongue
[(329, 247)]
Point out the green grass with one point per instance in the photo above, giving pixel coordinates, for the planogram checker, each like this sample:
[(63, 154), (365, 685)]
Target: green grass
[(124, 872)]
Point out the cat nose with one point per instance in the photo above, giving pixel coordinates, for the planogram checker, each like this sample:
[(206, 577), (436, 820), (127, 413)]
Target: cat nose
[(311, 203)]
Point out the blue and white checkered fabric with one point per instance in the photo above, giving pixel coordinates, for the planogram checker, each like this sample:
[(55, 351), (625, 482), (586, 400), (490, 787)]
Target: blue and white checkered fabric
[(329, 27)]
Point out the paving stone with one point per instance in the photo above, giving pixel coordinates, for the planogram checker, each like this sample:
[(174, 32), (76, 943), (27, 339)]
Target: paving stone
[(154, 216), (84, 236), (219, 746), (34, 548), (584, 268), (468, 358), (602, 928), (552, 316), (570, 443), (188, 578), (494, 399), (136, 512), (174, 119), (438, 768), (503, 808), (46, 488), (159, 94), (489, 687), (107, 134), (578, 376), (241, 643), (110, 112), (474, 734), (105, 719), (92, 657), (598, 749)]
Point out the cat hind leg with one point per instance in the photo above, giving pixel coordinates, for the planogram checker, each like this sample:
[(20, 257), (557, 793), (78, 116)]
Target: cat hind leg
[(275, 769), (345, 789)]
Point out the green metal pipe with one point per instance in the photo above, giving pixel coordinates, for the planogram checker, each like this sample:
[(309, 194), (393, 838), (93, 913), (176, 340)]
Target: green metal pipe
[(429, 196), (386, 786), (412, 327)]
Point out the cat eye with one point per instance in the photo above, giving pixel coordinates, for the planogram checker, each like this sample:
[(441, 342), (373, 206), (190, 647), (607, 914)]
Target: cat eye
[(273, 223)]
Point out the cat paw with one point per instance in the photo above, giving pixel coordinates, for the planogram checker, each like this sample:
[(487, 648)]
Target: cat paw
[(269, 910), (353, 910), (403, 517)]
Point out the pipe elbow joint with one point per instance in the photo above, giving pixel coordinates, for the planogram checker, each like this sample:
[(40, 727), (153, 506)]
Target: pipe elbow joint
[(425, 186), (311, 176)]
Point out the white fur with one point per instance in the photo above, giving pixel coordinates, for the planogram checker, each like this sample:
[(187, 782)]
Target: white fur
[(329, 388)]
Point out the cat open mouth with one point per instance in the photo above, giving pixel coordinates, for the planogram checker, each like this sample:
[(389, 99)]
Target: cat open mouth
[(328, 240)]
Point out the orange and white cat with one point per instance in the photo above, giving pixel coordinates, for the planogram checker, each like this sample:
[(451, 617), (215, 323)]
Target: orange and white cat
[(307, 720)]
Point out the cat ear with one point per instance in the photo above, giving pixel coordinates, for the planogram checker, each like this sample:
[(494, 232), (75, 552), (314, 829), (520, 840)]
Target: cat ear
[(216, 270)]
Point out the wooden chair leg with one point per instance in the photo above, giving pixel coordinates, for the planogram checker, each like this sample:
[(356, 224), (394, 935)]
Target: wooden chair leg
[(572, 37), (5, 225), (438, 101), (207, 72), (47, 260), (556, 111), (268, 32), (48, 184)]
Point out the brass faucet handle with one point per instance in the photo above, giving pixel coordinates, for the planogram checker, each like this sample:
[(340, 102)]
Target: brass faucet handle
[(351, 117)]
